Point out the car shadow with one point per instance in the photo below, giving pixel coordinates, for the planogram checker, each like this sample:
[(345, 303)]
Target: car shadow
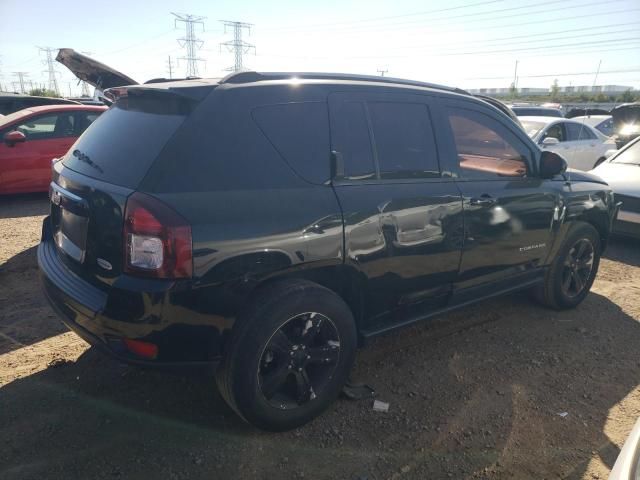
[(25, 316), (624, 250), (469, 394), (24, 205)]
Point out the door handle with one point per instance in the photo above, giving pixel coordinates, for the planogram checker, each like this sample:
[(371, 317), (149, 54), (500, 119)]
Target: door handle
[(483, 201)]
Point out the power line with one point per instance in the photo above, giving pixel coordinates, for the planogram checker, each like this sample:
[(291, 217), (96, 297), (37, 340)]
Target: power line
[(238, 46), (190, 41), (431, 21), (574, 74), (364, 20), (51, 71)]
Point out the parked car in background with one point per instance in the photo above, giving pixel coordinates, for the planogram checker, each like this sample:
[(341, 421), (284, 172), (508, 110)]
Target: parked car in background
[(582, 146), (13, 102), (532, 111), (31, 138), (622, 173), (602, 123), (270, 223), (626, 122)]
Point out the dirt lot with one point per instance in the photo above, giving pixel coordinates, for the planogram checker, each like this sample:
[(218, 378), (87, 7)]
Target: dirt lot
[(475, 394)]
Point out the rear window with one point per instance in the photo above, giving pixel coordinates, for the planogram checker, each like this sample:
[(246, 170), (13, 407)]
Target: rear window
[(123, 142)]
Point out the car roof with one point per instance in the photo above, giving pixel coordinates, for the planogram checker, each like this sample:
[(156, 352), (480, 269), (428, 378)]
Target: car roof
[(12, 117), (541, 119), (257, 79), (62, 107)]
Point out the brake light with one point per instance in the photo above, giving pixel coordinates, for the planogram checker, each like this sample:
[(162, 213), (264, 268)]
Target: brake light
[(157, 240), (142, 349)]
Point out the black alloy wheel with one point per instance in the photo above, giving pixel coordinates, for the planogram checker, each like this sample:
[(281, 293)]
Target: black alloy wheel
[(299, 360), (577, 268)]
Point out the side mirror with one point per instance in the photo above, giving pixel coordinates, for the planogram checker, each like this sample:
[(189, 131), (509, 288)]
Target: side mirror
[(13, 137), (551, 164), (550, 141)]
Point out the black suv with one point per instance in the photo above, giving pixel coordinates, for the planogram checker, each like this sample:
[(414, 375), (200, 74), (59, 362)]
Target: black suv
[(268, 224)]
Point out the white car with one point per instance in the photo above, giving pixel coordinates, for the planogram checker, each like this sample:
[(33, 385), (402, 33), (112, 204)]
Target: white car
[(622, 173), (582, 146), (602, 123)]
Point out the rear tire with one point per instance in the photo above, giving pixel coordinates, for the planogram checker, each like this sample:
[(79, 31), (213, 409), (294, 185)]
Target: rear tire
[(571, 275), (289, 355)]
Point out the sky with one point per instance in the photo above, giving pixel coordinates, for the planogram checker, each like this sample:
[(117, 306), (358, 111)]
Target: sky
[(462, 43)]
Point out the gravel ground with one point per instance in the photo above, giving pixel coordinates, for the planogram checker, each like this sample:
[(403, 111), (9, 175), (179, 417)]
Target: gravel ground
[(474, 394)]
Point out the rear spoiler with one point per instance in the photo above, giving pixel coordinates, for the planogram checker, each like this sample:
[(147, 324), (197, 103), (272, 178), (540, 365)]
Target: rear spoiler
[(194, 90)]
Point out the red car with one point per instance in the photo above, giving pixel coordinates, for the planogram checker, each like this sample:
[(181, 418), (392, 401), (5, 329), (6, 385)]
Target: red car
[(32, 137)]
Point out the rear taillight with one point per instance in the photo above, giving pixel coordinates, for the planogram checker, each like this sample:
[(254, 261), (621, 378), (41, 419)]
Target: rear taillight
[(157, 240)]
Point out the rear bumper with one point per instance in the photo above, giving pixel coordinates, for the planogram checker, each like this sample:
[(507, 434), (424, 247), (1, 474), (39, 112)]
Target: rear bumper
[(84, 308)]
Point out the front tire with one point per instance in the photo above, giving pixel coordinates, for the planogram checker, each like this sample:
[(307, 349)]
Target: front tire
[(289, 355), (571, 275)]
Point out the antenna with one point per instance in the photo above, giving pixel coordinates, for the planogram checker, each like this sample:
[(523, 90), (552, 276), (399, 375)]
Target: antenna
[(382, 71)]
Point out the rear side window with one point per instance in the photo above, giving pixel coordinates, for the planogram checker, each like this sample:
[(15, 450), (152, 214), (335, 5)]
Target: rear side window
[(300, 133), (124, 141), (486, 149), (353, 143), (578, 132), (404, 140)]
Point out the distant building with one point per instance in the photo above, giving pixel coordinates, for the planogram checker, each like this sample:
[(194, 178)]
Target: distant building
[(532, 92)]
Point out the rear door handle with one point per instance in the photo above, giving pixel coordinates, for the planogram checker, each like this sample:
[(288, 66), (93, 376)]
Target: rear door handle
[(483, 201)]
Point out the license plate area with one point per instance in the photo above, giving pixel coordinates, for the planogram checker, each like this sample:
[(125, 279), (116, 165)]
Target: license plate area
[(70, 222)]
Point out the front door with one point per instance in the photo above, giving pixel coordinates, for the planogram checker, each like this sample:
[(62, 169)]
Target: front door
[(26, 167), (508, 210), (403, 216)]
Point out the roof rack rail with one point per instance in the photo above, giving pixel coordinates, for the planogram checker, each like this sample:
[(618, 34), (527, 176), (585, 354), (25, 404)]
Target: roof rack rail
[(251, 76)]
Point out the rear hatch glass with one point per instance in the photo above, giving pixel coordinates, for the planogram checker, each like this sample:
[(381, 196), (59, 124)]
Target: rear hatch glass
[(123, 142)]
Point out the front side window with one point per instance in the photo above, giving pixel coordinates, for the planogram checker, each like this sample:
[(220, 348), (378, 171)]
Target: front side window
[(555, 131), (486, 149), (48, 126), (404, 140)]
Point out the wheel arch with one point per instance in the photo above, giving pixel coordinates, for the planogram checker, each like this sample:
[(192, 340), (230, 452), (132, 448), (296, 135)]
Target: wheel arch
[(343, 280)]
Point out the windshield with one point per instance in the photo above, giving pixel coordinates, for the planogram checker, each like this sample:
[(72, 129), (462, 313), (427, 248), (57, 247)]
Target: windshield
[(532, 128), (630, 156)]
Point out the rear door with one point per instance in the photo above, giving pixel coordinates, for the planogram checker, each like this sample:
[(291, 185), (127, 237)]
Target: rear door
[(508, 210), (402, 210), (585, 149)]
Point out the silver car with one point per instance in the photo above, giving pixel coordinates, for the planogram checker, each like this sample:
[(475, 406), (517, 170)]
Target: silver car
[(622, 173)]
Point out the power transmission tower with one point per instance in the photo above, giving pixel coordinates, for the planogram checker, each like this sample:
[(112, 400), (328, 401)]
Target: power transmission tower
[(22, 76), (85, 85), (238, 46), (382, 71), (190, 41), (53, 80), (170, 67)]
